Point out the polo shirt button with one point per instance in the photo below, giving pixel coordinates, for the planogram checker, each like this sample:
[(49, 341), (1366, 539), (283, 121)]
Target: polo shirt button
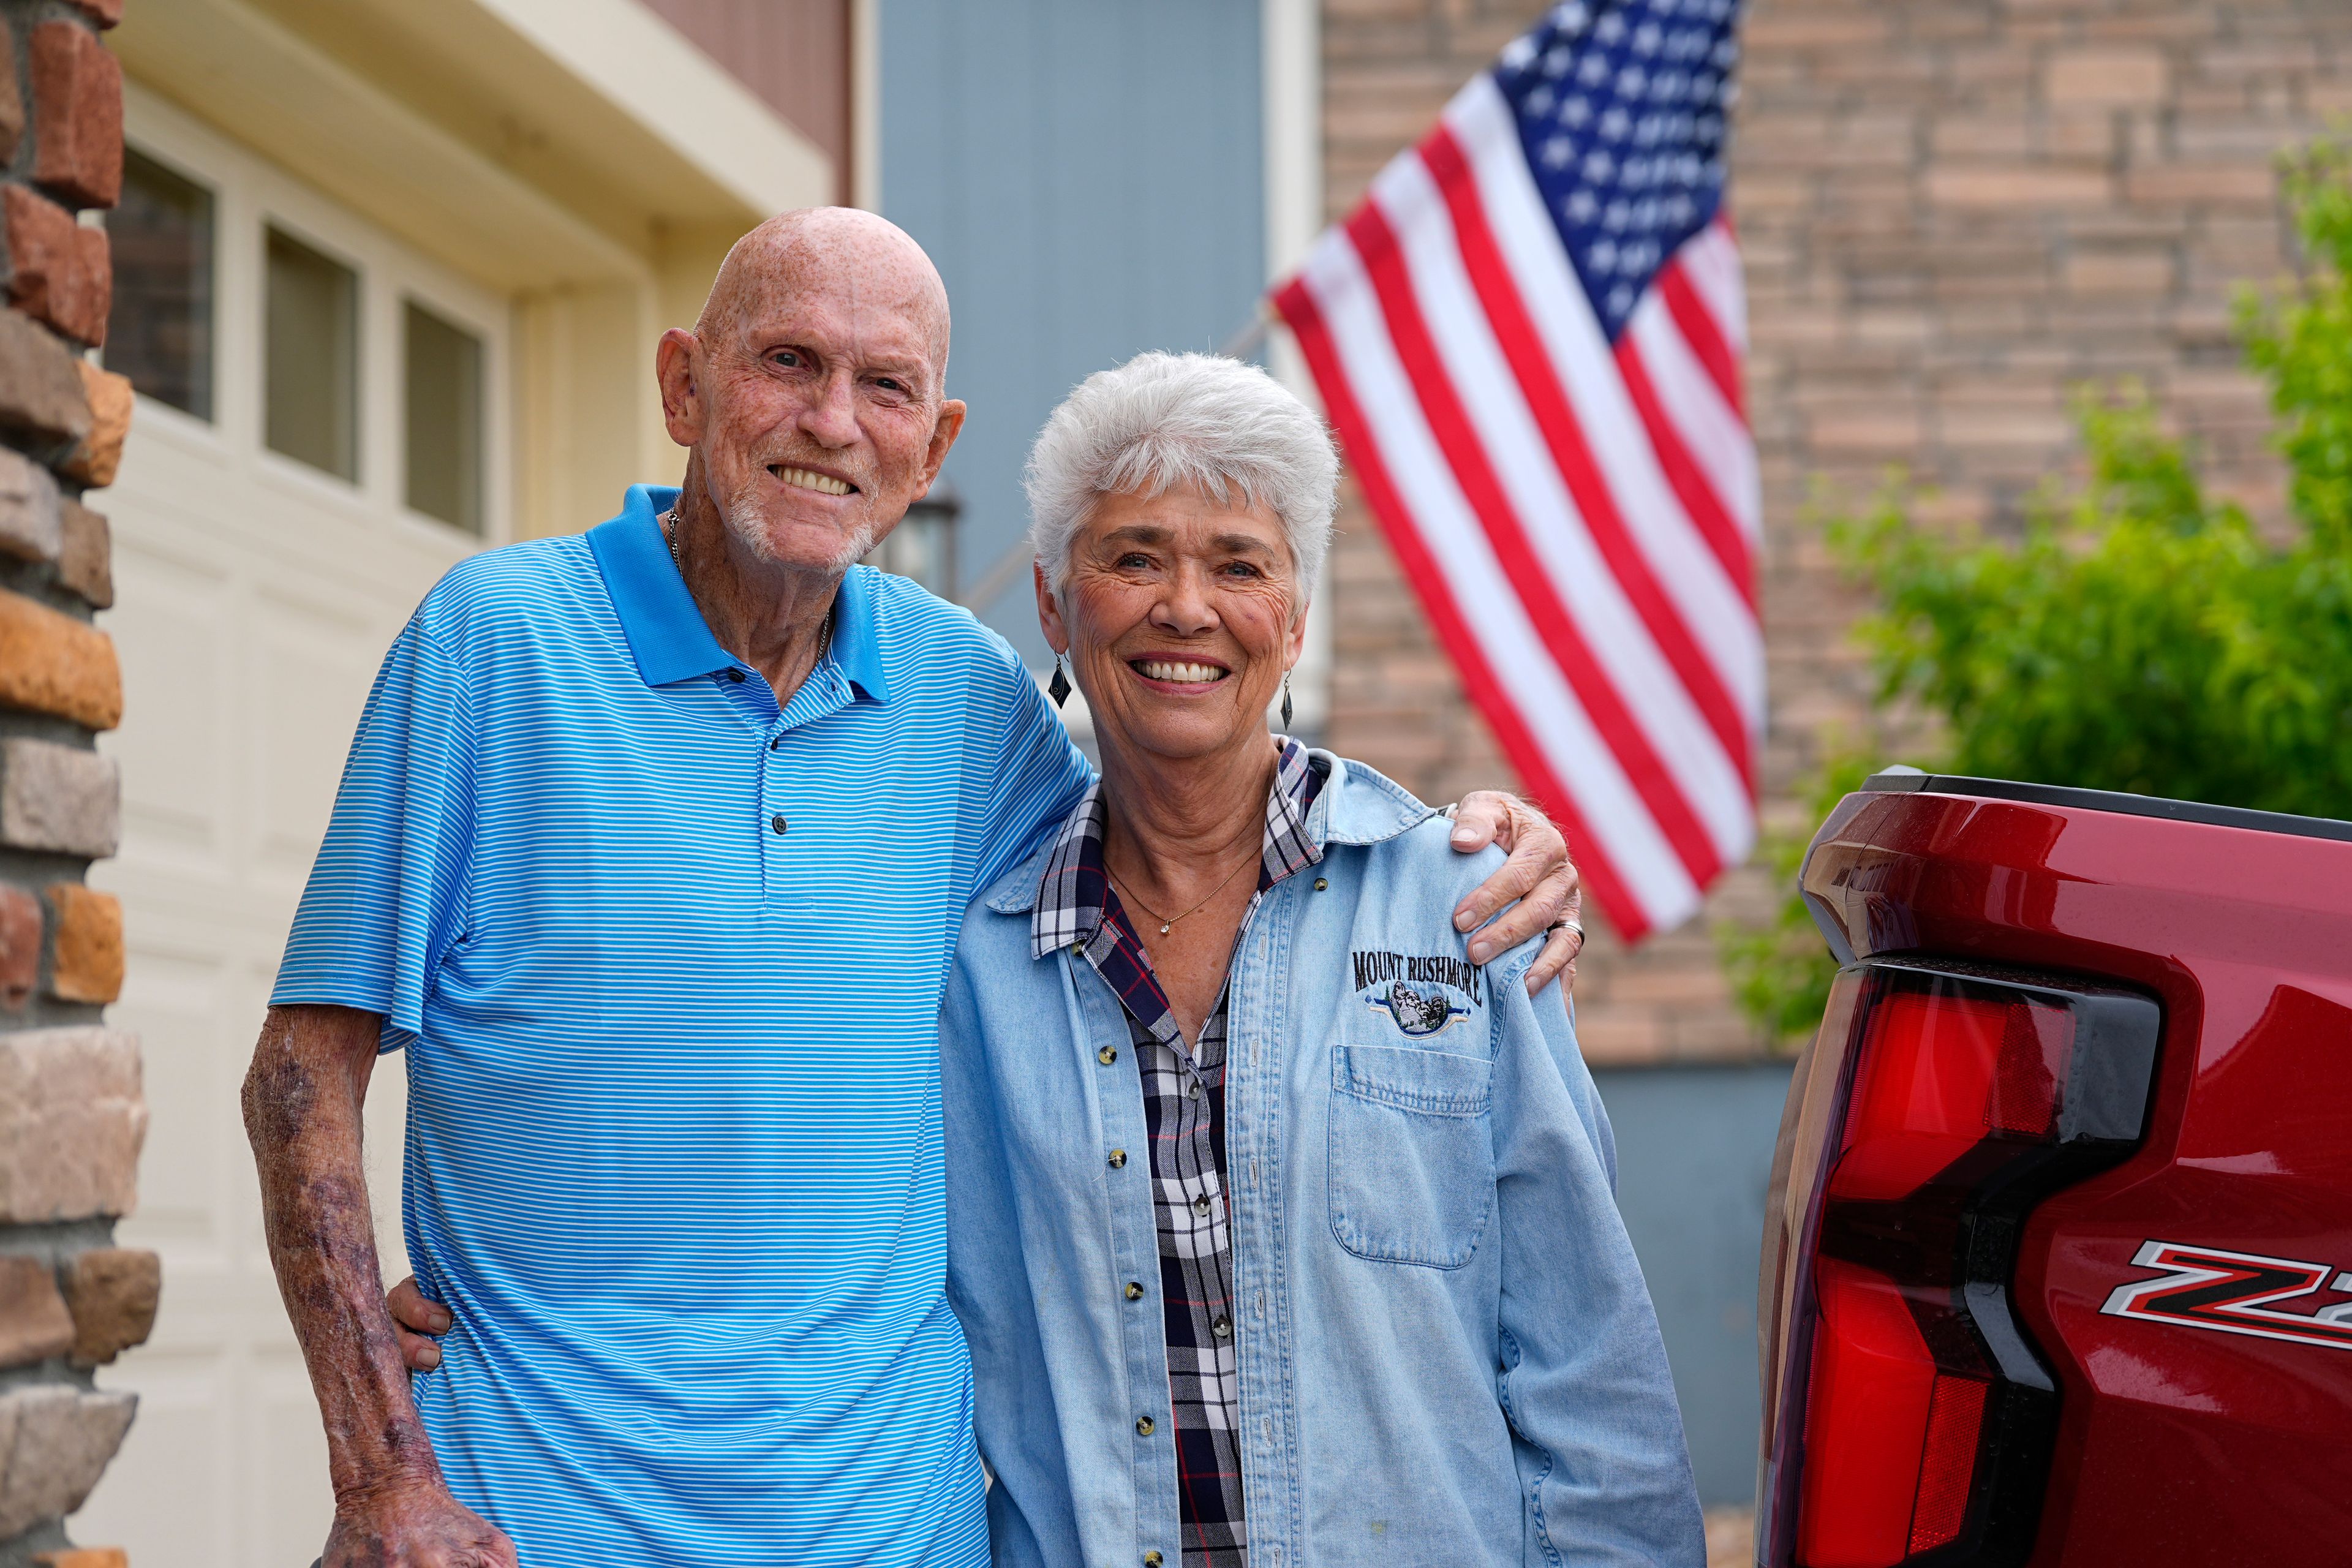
[(1143, 1426), (777, 745), (1223, 1328), (1119, 1159), (735, 675), (1107, 1055), (777, 823), (1134, 1291)]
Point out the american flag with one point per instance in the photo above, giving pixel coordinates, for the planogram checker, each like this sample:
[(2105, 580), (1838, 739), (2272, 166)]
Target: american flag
[(1528, 337)]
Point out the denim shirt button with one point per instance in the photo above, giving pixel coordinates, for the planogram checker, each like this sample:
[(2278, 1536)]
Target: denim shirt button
[(1107, 1055), (1117, 1158), (1151, 1560), (1144, 1426), (1134, 1291)]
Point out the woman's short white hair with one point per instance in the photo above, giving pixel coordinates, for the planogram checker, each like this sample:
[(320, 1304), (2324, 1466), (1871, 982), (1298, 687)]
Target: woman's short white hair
[(1221, 426)]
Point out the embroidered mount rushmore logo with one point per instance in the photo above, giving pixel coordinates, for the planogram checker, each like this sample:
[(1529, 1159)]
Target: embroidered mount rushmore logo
[(1423, 995)]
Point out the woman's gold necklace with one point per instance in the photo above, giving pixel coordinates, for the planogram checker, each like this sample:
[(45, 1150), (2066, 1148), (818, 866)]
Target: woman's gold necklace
[(1167, 921)]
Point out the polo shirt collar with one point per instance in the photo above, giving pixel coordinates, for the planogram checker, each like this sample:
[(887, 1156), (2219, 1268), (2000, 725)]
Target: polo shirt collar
[(663, 626)]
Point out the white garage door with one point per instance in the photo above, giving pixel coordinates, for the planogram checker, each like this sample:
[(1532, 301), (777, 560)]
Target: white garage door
[(323, 436)]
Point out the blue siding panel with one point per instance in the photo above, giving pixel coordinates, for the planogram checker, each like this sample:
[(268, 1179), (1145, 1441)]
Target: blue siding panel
[(1694, 1155), (1089, 176)]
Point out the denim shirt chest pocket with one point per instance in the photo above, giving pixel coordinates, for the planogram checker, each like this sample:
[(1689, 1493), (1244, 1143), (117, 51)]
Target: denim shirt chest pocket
[(1411, 1152)]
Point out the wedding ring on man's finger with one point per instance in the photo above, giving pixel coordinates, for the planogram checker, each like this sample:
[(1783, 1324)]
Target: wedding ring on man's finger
[(1574, 926)]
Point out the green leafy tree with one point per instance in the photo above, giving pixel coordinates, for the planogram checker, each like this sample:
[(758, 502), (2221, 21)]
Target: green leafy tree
[(2141, 635)]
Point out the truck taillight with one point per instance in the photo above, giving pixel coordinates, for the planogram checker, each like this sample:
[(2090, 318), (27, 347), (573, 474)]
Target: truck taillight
[(1907, 1417)]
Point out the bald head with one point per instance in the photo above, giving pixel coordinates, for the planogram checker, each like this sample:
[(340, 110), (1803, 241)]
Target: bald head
[(811, 392), (869, 263)]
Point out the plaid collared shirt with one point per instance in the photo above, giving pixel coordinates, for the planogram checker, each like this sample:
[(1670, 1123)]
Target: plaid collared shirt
[(1184, 1111)]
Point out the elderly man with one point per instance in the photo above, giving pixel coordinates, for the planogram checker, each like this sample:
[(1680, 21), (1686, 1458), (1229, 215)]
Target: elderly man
[(650, 852)]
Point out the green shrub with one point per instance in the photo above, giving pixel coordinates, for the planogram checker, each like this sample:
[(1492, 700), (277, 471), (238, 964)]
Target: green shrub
[(2141, 635)]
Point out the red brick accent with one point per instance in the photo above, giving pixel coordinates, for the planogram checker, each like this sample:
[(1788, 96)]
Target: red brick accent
[(72, 1115), (113, 1292), (72, 1118), (41, 394), (64, 1437), (12, 102), (58, 269), (52, 663), (20, 946), (34, 1324), (77, 115), (85, 554), (31, 515), (110, 402), (88, 966), (57, 799)]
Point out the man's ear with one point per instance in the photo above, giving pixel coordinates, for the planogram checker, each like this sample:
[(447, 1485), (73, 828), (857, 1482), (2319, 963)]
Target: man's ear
[(943, 435), (681, 394), (1049, 613)]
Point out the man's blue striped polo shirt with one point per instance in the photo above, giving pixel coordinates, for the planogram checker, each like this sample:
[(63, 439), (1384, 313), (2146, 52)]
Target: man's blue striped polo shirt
[(667, 962)]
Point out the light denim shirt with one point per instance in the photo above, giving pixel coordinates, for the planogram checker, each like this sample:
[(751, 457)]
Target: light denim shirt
[(1448, 1356)]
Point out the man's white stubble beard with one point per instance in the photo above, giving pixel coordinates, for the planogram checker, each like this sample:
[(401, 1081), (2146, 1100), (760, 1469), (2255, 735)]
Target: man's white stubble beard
[(740, 514)]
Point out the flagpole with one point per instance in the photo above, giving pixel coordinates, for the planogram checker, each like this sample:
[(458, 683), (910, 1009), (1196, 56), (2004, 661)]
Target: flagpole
[(1251, 336)]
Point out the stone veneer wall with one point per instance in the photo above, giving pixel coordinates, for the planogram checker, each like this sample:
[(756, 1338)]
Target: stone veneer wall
[(71, 1115), (1953, 212)]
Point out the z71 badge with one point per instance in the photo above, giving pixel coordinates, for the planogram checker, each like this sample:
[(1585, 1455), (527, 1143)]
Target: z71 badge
[(2234, 1293)]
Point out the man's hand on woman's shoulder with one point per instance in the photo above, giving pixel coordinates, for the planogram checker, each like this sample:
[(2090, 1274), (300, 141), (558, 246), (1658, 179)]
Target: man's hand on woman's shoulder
[(1535, 890)]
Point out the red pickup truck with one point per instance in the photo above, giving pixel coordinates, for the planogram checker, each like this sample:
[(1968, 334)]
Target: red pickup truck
[(2058, 1250)]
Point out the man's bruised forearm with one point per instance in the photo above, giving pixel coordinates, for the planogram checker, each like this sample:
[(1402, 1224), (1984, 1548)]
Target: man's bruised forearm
[(303, 1104)]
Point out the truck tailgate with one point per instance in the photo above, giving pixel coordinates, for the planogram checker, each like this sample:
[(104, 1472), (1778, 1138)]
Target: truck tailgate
[(2191, 1305)]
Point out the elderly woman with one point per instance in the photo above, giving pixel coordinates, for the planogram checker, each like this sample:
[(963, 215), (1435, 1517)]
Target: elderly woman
[(1280, 1232)]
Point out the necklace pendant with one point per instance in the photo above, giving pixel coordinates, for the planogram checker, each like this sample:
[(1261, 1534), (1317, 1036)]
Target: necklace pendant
[(1163, 929)]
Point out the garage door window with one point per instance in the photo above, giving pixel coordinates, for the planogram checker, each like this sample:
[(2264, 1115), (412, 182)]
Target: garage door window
[(444, 419), (160, 330), (313, 359), (345, 371)]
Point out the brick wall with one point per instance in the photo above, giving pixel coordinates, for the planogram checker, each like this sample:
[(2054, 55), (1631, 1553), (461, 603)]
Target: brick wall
[(71, 1116), (1953, 212)]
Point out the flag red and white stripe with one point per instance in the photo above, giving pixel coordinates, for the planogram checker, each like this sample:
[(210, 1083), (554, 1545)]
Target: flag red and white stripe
[(1580, 518)]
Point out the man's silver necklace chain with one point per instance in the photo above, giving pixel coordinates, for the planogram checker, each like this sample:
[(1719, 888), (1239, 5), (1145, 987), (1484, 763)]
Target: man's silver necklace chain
[(669, 537)]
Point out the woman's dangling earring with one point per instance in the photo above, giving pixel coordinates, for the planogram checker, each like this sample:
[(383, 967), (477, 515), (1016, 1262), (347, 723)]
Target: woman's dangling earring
[(1286, 700), (1058, 688)]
